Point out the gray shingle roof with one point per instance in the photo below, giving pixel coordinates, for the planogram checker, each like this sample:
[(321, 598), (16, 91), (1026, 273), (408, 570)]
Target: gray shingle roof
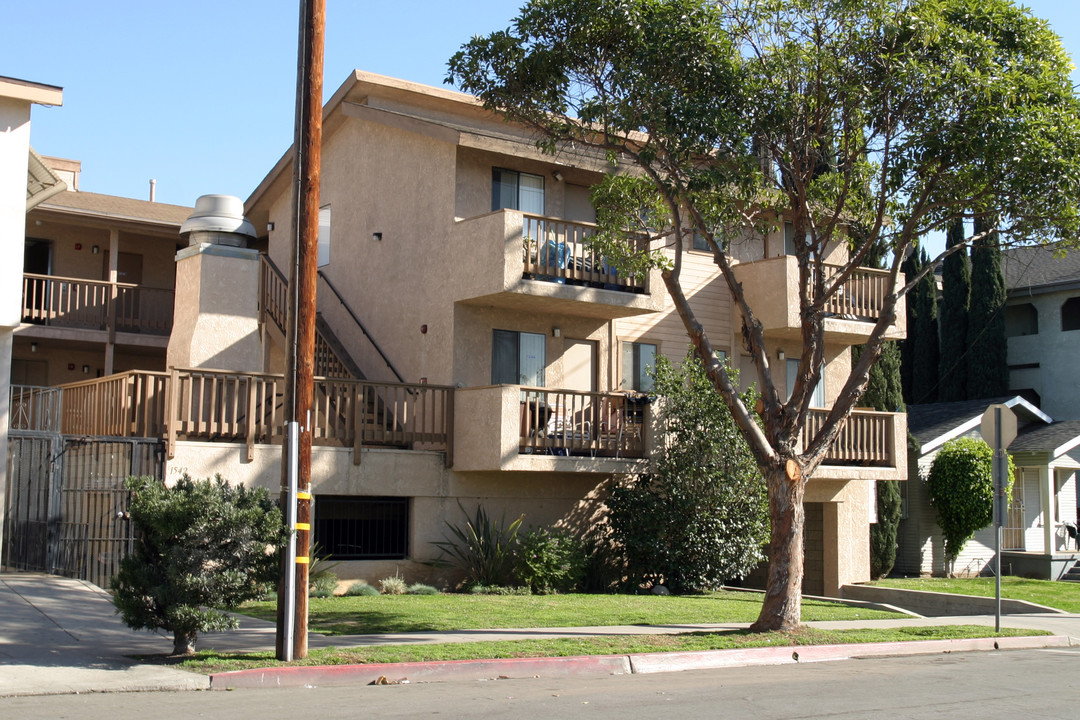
[(1046, 438), (1036, 266), (118, 207), (931, 421)]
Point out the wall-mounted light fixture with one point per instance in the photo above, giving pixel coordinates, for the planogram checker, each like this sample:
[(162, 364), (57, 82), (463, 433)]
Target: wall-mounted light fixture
[(269, 227), (780, 355), (95, 249), (376, 236), (33, 347), (556, 332), (86, 369), (557, 175)]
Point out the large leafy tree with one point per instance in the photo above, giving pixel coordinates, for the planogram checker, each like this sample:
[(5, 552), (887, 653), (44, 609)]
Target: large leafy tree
[(893, 116)]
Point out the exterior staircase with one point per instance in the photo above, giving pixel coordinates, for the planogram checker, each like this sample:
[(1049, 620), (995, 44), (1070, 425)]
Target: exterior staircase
[(1073, 575)]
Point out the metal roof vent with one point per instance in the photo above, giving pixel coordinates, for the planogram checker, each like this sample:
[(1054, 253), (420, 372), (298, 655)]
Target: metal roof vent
[(218, 219)]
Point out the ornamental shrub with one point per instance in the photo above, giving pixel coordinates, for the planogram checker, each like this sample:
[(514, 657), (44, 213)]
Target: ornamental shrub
[(883, 533), (961, 489), (482, 548), (701, 517), (200, 545), (549, 561)]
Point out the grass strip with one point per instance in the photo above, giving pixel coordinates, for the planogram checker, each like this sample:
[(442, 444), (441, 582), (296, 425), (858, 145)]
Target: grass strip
[(1061, 595), (426, 613), (212, 662)]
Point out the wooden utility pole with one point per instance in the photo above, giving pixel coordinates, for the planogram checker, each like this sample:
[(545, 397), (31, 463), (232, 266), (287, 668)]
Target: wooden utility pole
[(300, 333)]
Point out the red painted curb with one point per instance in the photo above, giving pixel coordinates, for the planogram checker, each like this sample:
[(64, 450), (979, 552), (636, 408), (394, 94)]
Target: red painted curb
[(398, 673), (422, 671)]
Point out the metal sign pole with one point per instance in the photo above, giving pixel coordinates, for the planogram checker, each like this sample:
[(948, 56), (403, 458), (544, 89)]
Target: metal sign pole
[(999, 483), (292, 438)]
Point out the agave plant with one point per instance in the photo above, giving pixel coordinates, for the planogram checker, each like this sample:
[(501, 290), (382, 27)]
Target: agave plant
[(482, 548)]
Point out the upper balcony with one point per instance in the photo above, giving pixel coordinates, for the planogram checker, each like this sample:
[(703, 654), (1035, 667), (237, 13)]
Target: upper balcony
[(871, 445), (772, 290), (539, 264), (77, 308), (509, 427)]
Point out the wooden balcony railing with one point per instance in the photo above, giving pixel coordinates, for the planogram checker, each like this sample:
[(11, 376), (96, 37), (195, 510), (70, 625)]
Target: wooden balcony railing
[(211, 405), (861, 297), (558, 251), (96, 305), (568, 422), (128, 404), (865, 440)]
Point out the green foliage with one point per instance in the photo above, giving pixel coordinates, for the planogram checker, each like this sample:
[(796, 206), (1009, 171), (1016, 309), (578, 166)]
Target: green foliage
[(202, 545), (482, 548), (883, 533), (884, 389), (393, 585), (361, 588), (961, 489), (549, 561), (701, 517), (421, 589), (322, 580), (988, 370), (953, 318), (499, 590), (925, 341)]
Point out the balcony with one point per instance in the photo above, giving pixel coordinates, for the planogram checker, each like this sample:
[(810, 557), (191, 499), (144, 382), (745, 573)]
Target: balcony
[(508, 427), (871, 445), (539, 264), (246, 408), (772, 290), (74, 304)]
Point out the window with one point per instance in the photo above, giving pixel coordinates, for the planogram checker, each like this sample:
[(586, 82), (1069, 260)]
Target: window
[(514, 190), (518, 358), (1021, 319), (324, 235), (789, 238), (348, 527), (817, 399), (700, 243), (638, 363), (1070, 314)]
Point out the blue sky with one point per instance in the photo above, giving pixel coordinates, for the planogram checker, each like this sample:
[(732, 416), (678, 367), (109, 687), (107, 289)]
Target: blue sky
[(200, 95)]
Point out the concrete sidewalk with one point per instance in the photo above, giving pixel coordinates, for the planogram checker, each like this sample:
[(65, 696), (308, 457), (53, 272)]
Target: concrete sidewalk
[(59, 635)]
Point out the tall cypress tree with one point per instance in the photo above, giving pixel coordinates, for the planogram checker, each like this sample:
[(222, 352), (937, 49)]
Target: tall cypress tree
[(910, 268), (953, 319), (924, 365), (988, 370)]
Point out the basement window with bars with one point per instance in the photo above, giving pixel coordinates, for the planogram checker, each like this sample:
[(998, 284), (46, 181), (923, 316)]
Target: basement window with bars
[(348, 527)]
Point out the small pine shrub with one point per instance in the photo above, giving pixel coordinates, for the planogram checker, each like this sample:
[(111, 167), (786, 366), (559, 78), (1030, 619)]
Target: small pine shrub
[(549, 561), (421, 589), (394, 585), (361, 588)]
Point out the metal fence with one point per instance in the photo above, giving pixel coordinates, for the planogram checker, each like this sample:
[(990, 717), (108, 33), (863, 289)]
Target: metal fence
[(67, 508)]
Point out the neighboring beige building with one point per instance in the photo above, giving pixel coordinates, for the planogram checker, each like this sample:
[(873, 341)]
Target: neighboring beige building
[(475, 350), (97, 284)]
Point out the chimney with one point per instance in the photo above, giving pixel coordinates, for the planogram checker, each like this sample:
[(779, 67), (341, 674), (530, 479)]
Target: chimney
[(153, 190)]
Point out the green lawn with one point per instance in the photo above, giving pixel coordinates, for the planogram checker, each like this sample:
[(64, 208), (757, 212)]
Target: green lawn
[(422, 613), (210, 662), (1061, 595)]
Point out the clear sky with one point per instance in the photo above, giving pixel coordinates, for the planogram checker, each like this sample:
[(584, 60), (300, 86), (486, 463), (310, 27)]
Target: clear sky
[(200, 95)]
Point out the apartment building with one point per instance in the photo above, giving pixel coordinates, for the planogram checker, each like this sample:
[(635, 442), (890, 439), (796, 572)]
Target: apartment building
[(473, 348)]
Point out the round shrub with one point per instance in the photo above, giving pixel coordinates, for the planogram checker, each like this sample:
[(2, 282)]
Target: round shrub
[(961, 489), (361, 588)]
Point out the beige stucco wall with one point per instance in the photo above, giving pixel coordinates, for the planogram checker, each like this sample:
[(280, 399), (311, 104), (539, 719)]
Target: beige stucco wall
[(566, 499), (215, 320)]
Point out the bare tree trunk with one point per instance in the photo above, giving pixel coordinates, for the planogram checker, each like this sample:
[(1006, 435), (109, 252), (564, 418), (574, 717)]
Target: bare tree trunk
[(783, 591), (184, 642)]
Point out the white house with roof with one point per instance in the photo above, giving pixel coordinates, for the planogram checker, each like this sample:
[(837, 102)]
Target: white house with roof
[(1038, 540)]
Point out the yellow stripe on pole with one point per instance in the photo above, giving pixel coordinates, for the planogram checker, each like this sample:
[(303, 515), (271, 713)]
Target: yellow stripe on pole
[(302, 560), (303, 496), (303, 526)]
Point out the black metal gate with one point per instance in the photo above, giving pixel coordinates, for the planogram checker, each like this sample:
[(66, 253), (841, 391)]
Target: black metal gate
[(66, 503)]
